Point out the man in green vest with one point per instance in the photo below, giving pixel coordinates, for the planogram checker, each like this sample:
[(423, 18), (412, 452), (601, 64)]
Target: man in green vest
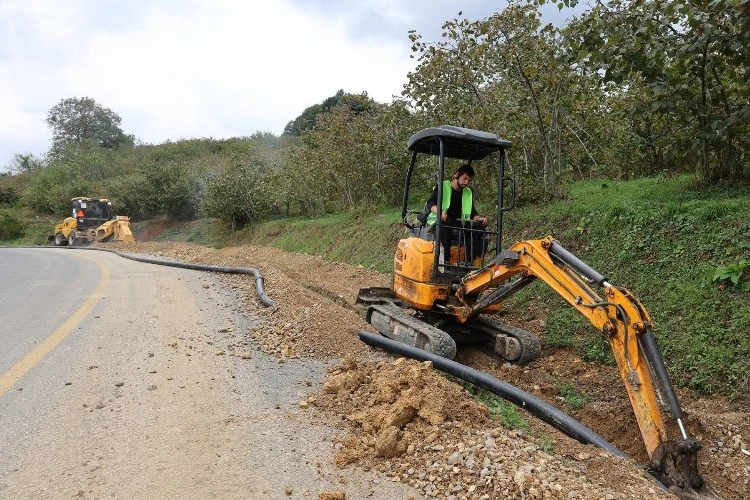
[(458, 207)]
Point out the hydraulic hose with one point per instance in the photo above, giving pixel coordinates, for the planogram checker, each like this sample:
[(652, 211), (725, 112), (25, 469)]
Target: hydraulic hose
[(540, 409), (264, 299)]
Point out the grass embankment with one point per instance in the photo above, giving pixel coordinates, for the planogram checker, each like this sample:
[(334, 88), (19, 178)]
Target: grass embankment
[(661, 238)]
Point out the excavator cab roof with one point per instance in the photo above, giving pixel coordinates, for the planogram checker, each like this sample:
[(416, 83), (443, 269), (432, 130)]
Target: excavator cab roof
[(458, 142)]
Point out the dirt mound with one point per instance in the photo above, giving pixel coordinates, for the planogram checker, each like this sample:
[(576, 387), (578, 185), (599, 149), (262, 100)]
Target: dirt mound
[(315, 317), (420, 428)]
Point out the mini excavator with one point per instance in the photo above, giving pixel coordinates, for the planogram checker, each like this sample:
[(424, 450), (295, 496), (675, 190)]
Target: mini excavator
[(439, 297), (90, 221)]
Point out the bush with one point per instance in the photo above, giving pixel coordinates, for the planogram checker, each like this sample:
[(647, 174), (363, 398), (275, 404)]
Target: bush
[(10, 228)]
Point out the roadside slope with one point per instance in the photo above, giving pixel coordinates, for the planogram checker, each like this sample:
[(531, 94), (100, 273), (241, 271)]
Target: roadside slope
[(315, 318)]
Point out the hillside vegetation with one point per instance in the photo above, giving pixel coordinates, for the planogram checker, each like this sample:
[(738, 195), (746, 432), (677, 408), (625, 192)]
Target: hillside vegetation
[(661, 238)]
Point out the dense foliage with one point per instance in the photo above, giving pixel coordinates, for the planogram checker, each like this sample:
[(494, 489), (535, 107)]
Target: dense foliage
[(630, 88)]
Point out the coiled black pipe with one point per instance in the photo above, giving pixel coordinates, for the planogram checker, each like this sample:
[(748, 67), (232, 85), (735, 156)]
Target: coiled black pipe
[(540, 409), (264, 299)]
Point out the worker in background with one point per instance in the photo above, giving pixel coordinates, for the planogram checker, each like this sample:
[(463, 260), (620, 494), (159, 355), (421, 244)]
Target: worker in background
[(458, 207)]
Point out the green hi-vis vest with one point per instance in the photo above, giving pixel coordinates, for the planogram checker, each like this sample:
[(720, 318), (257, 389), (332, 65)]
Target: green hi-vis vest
[(466, 202)]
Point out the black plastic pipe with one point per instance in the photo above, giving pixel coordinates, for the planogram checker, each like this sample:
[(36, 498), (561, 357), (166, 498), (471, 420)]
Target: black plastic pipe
[(540, 409), (264, 299), (201, 267)]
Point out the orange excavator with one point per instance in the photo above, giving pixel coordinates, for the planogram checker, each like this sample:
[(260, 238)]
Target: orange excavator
[(439, 297)]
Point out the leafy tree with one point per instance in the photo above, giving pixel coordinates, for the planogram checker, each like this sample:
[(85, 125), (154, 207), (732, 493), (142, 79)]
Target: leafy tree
[(25, 163), (306, 121), (693, 59), (239, 194), (351, 159), (506, 73), (75, 120)]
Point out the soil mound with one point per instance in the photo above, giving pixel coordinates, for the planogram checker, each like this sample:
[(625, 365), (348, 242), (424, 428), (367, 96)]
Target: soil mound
[(422, 429)]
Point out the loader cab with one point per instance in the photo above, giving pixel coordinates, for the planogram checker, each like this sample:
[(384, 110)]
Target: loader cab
[(90, 212), (445, 144)]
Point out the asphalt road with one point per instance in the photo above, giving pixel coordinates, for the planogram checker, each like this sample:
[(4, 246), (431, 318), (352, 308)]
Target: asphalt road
[(121, 379)]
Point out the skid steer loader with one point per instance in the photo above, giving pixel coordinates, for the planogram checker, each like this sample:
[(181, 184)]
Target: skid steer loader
[(442, 296), (90, 221)]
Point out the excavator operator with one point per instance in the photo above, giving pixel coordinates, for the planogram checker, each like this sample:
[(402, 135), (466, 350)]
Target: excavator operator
[(458, 210)]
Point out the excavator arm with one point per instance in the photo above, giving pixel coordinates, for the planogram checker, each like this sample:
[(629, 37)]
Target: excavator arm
[(619, 316)]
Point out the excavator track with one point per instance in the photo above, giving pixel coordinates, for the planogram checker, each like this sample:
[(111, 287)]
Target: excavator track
[(393, 322), (514, 344)]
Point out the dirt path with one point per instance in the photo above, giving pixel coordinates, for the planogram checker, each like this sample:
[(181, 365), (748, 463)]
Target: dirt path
[(315, 319)]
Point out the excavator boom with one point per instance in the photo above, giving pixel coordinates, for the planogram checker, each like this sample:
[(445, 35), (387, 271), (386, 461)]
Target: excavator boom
[(619, 316)]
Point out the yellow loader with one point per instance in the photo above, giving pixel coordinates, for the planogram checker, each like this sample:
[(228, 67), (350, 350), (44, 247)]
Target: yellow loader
[(90, 221)]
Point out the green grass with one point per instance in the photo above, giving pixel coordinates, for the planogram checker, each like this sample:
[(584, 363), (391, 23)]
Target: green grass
[(504, 412), (367, 240), (207, 232), (545, 443), (571, 395)]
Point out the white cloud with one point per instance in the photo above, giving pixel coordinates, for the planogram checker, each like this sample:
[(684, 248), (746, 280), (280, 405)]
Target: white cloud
[(179, 69)]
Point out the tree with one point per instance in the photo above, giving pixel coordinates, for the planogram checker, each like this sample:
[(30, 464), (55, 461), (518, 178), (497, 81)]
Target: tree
[(506, 74), (306, 121), (692, 57), (75, 120), (25, 163), (239, 194), (351, 159)]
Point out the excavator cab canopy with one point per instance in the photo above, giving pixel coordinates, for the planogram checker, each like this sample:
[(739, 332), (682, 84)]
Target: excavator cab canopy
[(467, 145), (460, 143)]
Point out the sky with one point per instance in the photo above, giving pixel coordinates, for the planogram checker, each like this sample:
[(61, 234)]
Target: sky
[(180, 69)]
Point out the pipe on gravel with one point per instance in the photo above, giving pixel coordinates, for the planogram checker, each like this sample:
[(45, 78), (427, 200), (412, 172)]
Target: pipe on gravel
[(540, 409), (264, 299)]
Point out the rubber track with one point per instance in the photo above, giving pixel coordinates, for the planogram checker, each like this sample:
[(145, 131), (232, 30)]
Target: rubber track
[(531, 348), (433, 339)]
